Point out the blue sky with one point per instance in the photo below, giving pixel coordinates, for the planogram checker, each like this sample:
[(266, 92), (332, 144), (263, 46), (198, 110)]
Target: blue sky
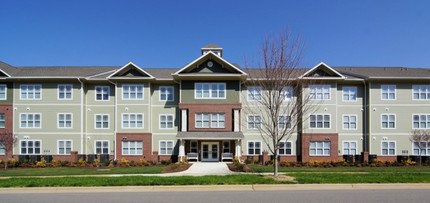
[(171, 33)]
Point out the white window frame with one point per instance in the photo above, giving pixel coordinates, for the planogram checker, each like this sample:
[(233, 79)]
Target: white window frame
[(3, 90), (224, 148), (426, 121), (34, 147), (388, 89), (135, 93), (166, 121), (21, 92), (2, 120), (196, 147), (2, 149), (287, 122), (323, 148), (253, 121), (102, 121), (349, 121), (316, 121), (426, 149), (102, 93), (136, 148), (388, 121), (416, 89), (211, 91), (287, 93), (349, 147), (136, 115), (254, 93), (388, 149), (315, 90), (351, 92), (169, 90), (166, 148), (212, 118), (101, 146), (285, 148), (65, 121), (254, 149), (217, 119), (64, 146), (27, 121), (59, 92)]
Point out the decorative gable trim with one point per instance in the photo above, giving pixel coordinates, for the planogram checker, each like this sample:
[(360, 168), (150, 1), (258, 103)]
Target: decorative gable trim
[(135, 67), (326, 69), (4, 73)]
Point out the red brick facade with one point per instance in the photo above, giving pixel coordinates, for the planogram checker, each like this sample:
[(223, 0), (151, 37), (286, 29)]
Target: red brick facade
[(7, 110), (327, 137), (227, 109), (146, 138)]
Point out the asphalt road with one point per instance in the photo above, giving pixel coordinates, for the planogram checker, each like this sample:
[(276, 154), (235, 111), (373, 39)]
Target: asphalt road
[(309, 196)]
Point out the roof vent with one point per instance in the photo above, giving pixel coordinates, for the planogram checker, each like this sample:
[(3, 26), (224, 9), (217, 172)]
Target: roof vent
[(213, 48)]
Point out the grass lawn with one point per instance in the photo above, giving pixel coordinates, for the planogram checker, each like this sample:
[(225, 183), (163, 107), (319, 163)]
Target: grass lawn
[(268, 169), (371, 177), (136, 181), (80, 171)]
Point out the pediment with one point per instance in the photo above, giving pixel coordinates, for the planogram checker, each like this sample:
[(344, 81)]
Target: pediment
[(130, 71), (322, 70)]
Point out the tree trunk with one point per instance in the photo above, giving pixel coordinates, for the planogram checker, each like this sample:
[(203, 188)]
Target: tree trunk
[(275, 165)]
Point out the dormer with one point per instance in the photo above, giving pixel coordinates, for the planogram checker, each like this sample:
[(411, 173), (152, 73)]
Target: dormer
[(213, 48)]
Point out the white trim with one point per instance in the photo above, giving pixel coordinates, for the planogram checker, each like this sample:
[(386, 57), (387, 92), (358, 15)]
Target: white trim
[(20, 146), (136, 154), (388, 121), (356, 122), (40, 116), (167, 87), (166, 141), (343, 92), (5, 91), (4, 72), (256, 89), (166, 128), (129, 85), (204, 55), (95, 93), (388, 152), (253, 115), (210, 146), (129, 121), (427, 87), (316, 114), (316, 147), (322, 87), (388, 93), (427, 121), (71, 121), (135, 66), (292, 151), (102, 115), (101, 146), (210, 90), (35, 85), (254, 141), (58, 92), (349, 141), (321, 64), (58, 147)]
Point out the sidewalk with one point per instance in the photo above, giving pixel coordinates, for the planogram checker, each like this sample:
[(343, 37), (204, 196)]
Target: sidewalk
[(108, 189)]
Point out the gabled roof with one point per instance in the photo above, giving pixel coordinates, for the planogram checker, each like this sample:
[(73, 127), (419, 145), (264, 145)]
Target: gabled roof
[(209, 55), (212, 46), (130, 70), (385, 72), (322, 71)]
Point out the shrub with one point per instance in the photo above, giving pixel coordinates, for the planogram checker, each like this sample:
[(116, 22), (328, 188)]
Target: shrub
[(124, 162), (143, 162), (12, 163), (55, 163), (41, 163), (166, 162), (81, 162)]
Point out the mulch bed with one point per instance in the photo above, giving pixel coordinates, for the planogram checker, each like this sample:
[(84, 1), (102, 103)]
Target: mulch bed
[(173, 168)]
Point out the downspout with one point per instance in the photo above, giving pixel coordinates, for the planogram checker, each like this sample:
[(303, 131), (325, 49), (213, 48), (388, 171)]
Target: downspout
[(365, 147), (115, 116), (82, 116)]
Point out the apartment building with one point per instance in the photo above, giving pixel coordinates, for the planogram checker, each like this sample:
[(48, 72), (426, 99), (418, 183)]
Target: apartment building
[(197, 112)]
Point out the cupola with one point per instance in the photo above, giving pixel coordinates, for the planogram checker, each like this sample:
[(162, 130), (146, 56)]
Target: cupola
[(213, 48)]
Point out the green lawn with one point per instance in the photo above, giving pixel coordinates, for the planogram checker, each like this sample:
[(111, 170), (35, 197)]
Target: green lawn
[(80, 171), (136, 181), (268, 169), (373, 177)]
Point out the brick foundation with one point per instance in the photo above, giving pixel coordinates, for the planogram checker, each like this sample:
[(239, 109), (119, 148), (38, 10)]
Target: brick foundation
[(146, 138), (312, 137), (288, 158), (386, 158)]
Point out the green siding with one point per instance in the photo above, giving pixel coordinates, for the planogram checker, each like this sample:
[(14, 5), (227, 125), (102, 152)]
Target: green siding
[(232, 93)]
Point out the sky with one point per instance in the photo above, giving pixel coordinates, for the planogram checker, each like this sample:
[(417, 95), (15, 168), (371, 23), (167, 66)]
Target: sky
[(169, 34)]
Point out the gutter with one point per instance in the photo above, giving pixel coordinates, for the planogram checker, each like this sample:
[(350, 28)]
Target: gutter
[(116, 117), (82, 116)]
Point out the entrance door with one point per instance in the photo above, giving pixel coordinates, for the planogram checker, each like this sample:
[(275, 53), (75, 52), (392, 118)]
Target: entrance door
[(210, 151)]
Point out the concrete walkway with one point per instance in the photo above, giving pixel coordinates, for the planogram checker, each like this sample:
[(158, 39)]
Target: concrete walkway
[(206, 168)]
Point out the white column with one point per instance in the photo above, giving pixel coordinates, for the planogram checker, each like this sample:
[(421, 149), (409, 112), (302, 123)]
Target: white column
[(238, 149), (184, 120), (181, 150), (236, 120)]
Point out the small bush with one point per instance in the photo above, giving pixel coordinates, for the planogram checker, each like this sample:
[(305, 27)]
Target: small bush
[(41, 163), (55, 163), (166, 162), (11, 163), (124, 162)]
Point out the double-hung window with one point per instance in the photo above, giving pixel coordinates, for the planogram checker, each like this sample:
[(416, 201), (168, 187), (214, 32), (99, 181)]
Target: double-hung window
[(102, 121), (210, 90), (102, 93), (64, 120), (217, 120), (210, 120), (132, 148), (132, 92), (254, 121), (287, 93), (30, 147), (349, 148), (30, 120), (64, 147), (388, 92), (166, 147), (421, 92), (388, 121), (30, 92), (65, 92), (349, 93), (132, 120), (421, 121), (284, 122), (285, 148), (388, 148), (254, 93), (166, 121), (319, 121), (424, 147), (2, 120), (226, 147), (349, 122), (166, 93), (102, 147), (319, 92), (2, 149), (319, 148), (3, 92), (254, 147)]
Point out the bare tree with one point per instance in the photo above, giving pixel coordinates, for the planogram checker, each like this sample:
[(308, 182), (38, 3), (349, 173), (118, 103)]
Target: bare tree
[(7, 141), (276, 92), (420, 139)]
